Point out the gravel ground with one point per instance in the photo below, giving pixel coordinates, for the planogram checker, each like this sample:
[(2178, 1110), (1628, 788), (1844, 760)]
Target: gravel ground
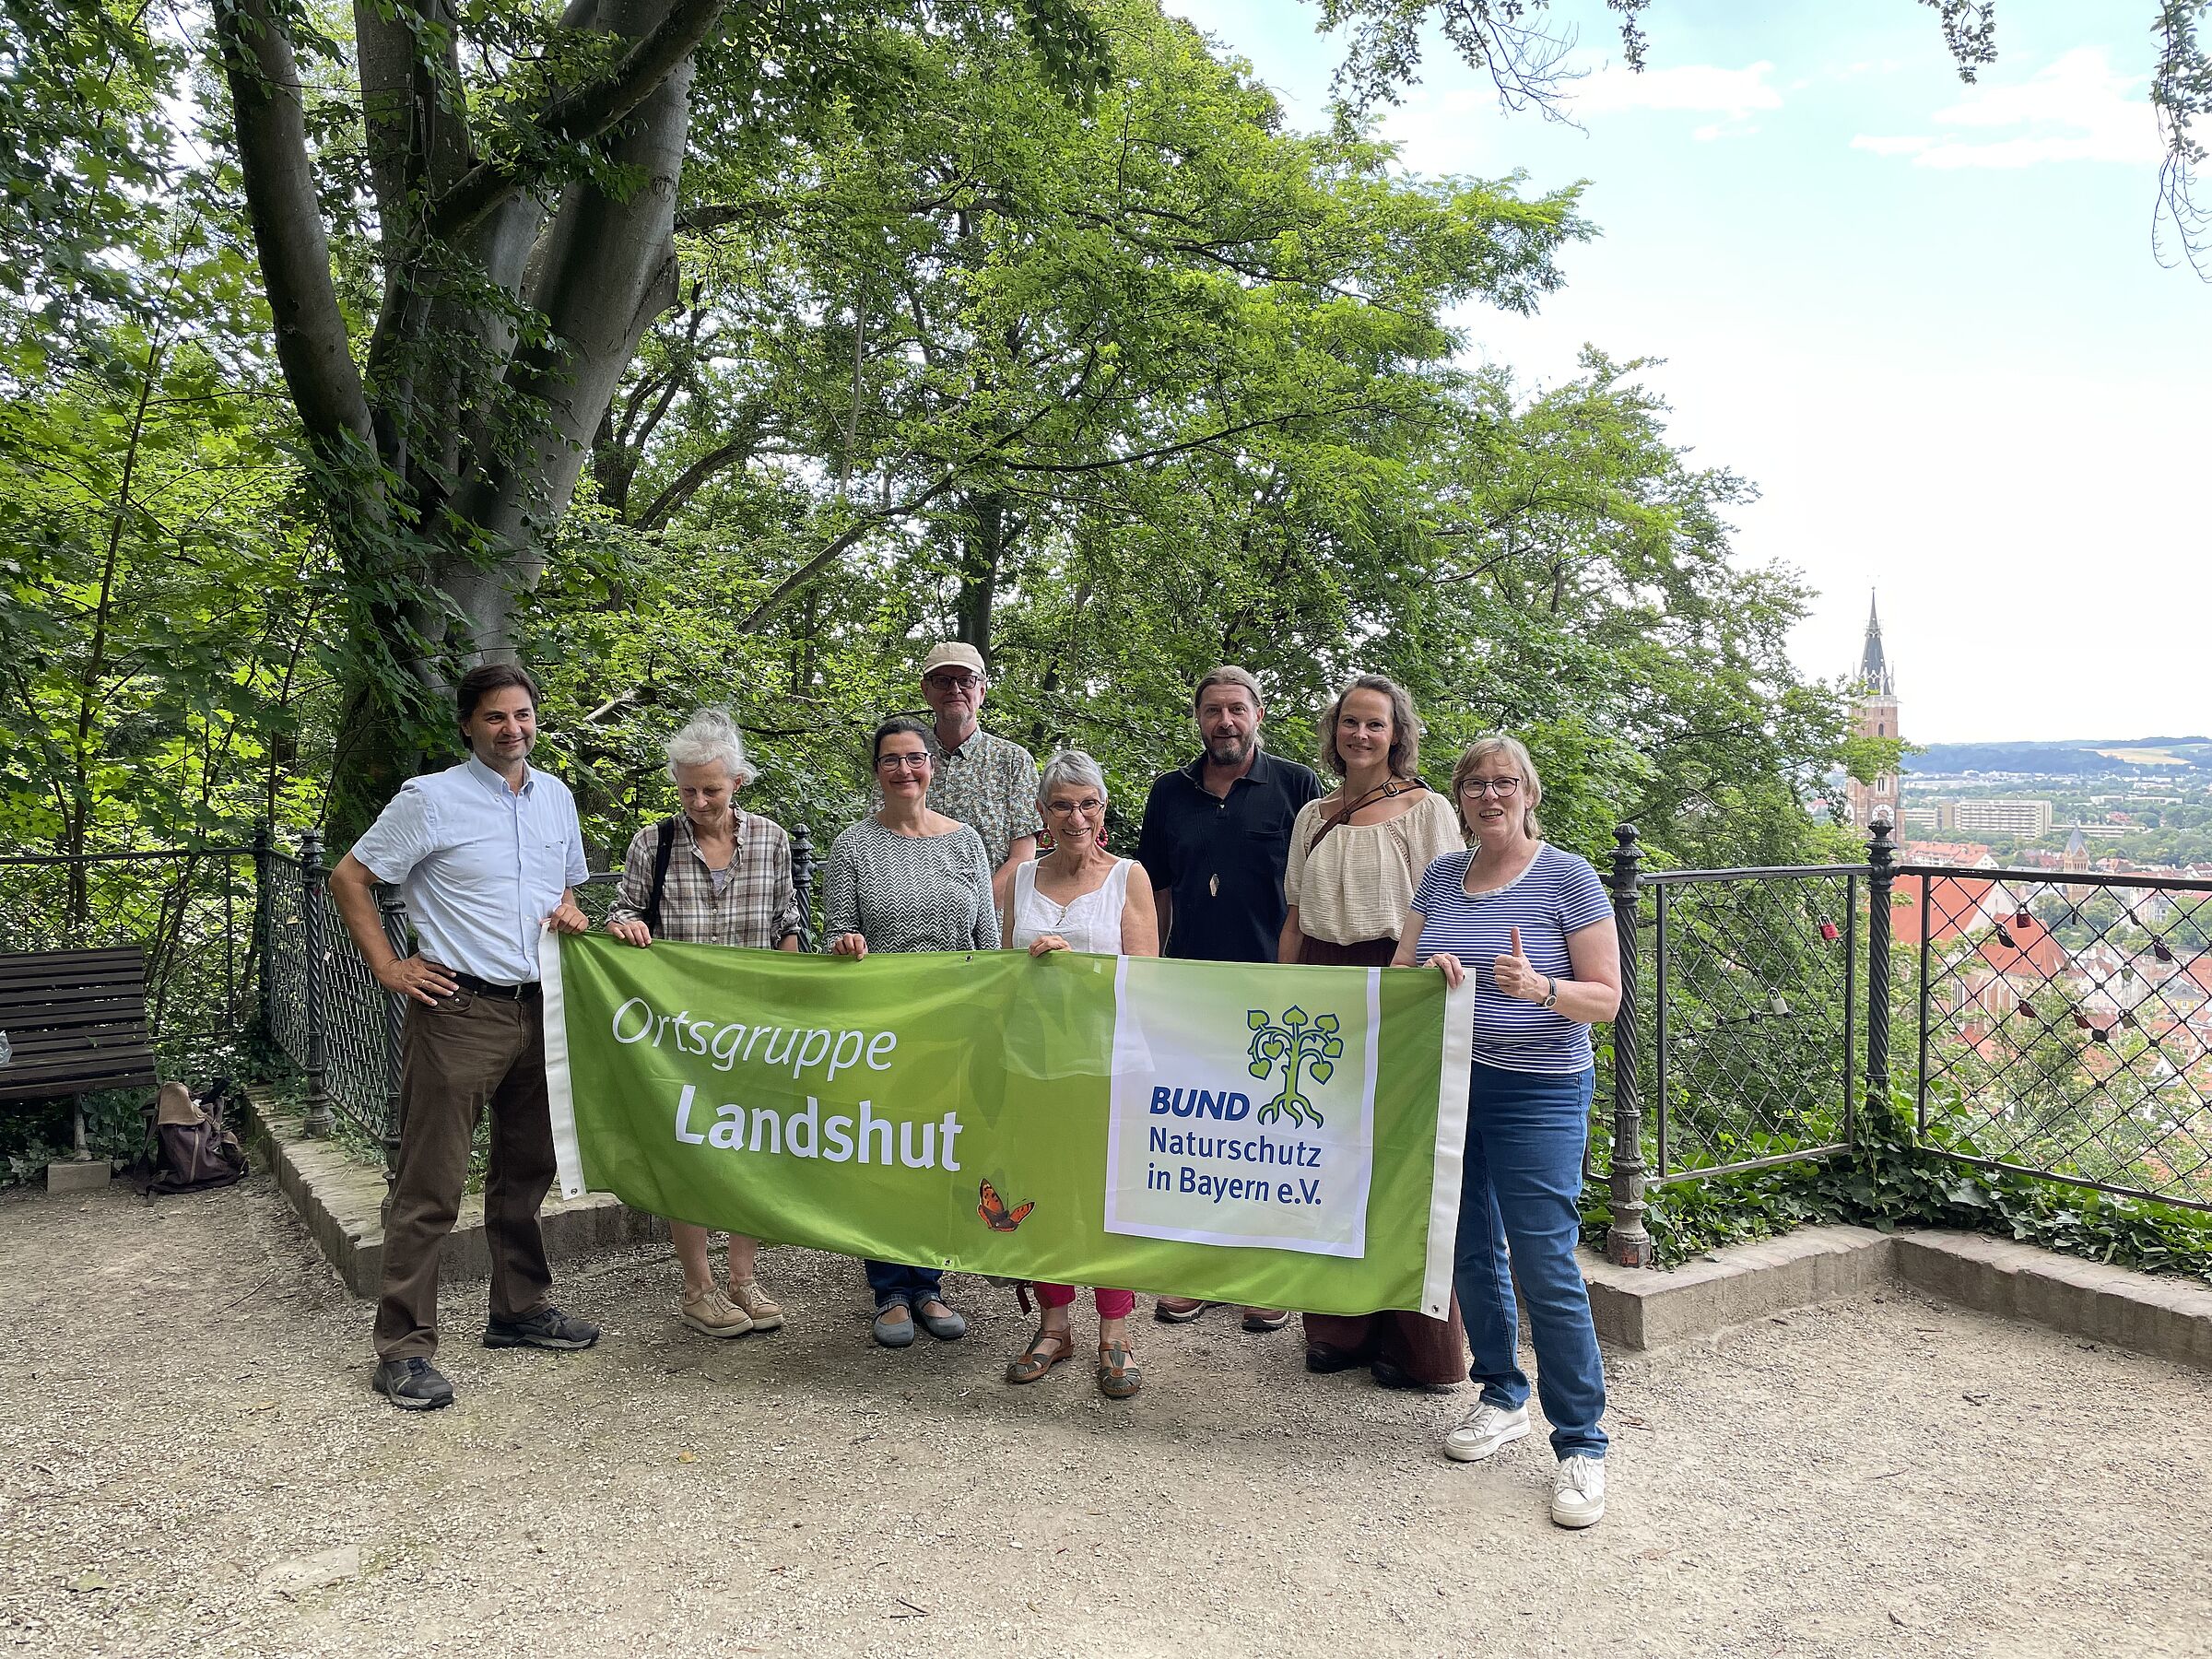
[(191, 1462)]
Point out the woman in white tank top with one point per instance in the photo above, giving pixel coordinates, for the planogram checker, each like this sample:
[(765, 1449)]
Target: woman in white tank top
[(1079, 897)]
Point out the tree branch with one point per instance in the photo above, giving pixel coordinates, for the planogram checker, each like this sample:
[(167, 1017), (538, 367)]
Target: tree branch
[(821, 561), (580, 115), (289, 233), (1166, 450), (688, 482)]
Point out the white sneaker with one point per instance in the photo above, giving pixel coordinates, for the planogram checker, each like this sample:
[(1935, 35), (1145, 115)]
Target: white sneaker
[(1484, 1429), (1578, 1491)]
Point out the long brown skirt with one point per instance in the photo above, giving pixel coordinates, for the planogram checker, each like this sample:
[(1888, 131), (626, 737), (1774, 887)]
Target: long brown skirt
[(1427, 1351)]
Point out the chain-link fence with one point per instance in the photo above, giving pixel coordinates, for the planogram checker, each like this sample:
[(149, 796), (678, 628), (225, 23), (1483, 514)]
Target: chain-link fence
[(2061, 1022), (1737, 1044), (2064, 1024), (1753, 1015), (338, 1026), (326, 1012)]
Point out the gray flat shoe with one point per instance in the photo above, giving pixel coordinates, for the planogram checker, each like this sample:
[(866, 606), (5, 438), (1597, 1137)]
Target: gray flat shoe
[(948, 1326), (894, 1333)]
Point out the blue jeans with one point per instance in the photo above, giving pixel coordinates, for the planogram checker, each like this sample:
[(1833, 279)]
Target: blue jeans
[(1522, 1191), (894, 1283)]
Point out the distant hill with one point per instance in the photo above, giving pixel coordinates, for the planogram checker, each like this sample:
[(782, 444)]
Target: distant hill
[(2143, 757)]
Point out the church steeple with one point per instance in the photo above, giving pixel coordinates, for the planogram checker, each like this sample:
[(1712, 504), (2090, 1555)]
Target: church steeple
[(1874, 714), (1874, 667)]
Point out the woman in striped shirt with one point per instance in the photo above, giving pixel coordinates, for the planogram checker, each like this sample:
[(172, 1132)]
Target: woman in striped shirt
[(1533, 927)]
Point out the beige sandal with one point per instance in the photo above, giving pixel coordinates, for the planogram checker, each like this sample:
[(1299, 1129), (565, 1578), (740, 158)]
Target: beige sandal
[(1035, 1362)]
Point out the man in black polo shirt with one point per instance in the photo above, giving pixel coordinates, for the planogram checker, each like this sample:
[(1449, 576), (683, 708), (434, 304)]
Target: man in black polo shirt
[(1216, 838)]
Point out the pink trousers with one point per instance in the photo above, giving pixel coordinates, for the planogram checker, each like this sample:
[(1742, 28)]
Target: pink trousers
[(1112, 1305)]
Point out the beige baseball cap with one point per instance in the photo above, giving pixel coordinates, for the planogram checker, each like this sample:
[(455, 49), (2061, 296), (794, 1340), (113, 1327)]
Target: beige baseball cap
[(953, 653)]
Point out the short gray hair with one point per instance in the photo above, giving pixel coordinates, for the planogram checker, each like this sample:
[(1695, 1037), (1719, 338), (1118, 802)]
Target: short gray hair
[(1516, 755), (1070, 766), (711, 738)]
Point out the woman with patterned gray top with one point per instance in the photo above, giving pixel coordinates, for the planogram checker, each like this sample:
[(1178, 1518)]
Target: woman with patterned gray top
[(724, 878), (907, 879)]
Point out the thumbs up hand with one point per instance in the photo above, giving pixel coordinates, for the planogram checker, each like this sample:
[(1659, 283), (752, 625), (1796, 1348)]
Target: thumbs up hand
[(1516, 975)]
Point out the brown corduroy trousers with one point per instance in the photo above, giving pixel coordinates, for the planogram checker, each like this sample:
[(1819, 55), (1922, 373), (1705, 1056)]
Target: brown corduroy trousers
[(468, 1053)]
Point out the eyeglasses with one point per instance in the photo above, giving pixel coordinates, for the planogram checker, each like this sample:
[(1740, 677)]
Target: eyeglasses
[(1088, 805), (902, 763), (1503, 788), (952, 682)]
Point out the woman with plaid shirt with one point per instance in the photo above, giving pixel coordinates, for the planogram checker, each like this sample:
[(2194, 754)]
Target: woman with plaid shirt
[(728, 882)]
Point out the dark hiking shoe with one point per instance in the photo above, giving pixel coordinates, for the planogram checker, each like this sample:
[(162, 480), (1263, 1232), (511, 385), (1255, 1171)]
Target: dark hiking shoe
[(413, 1385), (547, 1328), (1387, 1375), (1323, 1360)]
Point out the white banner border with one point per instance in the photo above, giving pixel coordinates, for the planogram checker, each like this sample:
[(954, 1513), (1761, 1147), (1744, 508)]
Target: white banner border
[(568, 1153), (1453, 1078)]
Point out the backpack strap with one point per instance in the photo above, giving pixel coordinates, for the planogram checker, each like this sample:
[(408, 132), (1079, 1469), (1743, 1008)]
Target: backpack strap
[(662, 852)]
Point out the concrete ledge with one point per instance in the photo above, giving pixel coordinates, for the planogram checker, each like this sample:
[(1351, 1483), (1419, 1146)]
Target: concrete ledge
[(2169, 1317), (70, 1175), (342, 1203), (1638, 1308)]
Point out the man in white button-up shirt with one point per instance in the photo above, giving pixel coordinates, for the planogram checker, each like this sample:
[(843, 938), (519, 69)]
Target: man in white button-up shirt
[(488, 853)]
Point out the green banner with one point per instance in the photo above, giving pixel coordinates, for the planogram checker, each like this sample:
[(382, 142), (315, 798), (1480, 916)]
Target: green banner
[(1273, 1137)]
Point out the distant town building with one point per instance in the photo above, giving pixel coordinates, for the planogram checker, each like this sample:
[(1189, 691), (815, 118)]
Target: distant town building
[(1967, 855), (1922, 818), (1874, 714), (2030, 818)]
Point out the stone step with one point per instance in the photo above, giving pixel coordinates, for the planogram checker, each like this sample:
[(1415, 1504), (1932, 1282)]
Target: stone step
[(1640, 1308), (342, 1202)]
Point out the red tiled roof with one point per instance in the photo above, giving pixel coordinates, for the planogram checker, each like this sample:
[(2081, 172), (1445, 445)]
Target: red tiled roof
[(2032, 953), (1954, 906)]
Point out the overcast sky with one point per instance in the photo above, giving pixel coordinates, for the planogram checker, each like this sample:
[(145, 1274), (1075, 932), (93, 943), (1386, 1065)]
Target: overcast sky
[(1925, 318)]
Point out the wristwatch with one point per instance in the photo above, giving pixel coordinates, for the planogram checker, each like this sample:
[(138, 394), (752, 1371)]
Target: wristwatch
[(1551, 993)]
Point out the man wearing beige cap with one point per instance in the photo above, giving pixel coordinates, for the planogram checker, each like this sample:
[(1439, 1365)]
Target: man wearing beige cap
[(983, 781)]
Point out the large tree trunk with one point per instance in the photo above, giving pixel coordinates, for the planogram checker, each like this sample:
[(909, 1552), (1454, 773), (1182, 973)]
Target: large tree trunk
[(405, 461), (982, 553), (606, 270)]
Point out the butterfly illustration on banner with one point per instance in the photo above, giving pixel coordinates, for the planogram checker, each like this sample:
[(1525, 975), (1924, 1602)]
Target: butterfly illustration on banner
[(993, 1210)]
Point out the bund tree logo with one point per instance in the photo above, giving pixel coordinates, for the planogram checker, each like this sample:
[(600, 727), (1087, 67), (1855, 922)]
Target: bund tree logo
[(1304, 1047)]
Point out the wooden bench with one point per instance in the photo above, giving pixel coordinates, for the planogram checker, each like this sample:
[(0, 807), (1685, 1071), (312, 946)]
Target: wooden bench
[(76, 1022)]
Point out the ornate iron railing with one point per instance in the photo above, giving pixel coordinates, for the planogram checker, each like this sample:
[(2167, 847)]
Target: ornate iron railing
[(2064, 1024), (339, 1025), (2059, 1022)]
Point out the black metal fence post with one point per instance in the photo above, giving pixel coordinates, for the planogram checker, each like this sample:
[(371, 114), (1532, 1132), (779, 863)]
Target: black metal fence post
[(263, 925), (392, 911), (802, 878), (319, 1122), (1627, 1242), (1881, 861)]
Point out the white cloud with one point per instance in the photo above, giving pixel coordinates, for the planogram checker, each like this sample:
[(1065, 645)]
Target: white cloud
[(2079, 108), (1735, 95)]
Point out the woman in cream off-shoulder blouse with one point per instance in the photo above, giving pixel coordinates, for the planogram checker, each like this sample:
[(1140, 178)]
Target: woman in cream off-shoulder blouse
[(1357, 856)]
